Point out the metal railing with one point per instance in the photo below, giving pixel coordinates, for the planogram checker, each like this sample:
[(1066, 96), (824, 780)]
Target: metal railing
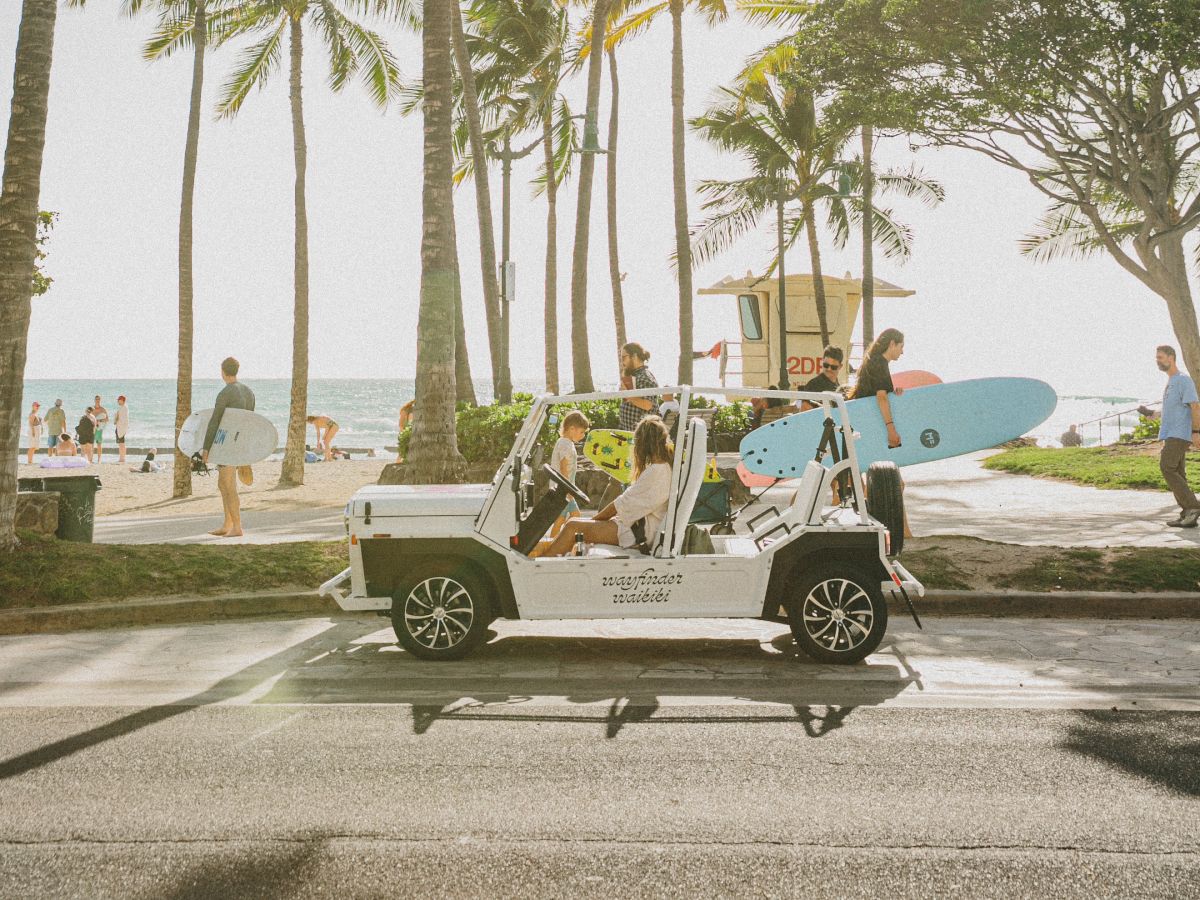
[(1125, 414)]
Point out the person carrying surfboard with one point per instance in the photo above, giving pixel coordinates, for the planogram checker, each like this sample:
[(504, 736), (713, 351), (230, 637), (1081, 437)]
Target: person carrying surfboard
[(875, 377), (635, 376), (234, 395)]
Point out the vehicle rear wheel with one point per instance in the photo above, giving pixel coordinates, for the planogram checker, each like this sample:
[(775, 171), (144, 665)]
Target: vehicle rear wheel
[(885, 500), (441, 612), (837, 613)]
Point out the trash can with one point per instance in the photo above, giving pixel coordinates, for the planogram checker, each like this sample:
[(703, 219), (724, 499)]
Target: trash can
[(76, 503)]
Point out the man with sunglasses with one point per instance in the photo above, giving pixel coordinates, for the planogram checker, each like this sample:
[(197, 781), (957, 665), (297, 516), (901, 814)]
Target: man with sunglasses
[(825, 380)]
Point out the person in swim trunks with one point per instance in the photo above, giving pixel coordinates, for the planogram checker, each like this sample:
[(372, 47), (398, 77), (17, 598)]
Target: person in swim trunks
[(100, 414), (234, 395), (326, 428)]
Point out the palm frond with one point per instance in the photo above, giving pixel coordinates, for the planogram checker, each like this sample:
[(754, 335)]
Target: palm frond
[(256, 64), (377, 66), (627, 30)]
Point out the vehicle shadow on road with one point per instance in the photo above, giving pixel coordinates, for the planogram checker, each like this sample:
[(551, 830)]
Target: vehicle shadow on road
[(1162, 747), (613, 682)]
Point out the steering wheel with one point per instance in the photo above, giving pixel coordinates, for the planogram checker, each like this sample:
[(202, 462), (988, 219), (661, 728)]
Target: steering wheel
[(557, 478)]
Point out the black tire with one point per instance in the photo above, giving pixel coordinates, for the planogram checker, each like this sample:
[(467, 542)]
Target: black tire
[(441, 612), (837, 613), (885, 500)]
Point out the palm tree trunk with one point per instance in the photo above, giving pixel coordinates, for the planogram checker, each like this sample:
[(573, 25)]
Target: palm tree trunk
[(868, 237), (433, 455), (501, 375), (581, 362), (683, 250), (551, 316), (182, 476), (781, 238), (464, 385), (814, 252), (293, 454), (18, 238), (614, 262)]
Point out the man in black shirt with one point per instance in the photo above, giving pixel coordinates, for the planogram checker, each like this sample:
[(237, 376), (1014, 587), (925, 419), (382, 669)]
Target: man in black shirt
[(234, 395), (825, 380)]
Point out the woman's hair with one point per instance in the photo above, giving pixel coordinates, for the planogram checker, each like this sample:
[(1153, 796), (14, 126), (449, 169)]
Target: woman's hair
[(635, 349), (886, 338), (651, 444), (574, 419)]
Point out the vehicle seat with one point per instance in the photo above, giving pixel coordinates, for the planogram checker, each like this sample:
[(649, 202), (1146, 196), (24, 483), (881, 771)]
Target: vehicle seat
[(691, 477), (801, 510)]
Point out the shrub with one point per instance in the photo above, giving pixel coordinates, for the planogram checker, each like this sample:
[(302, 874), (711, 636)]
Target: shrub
[(732, 419), (1146, 430)]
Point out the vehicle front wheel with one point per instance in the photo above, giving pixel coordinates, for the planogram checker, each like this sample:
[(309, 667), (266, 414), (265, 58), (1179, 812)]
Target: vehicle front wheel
[(441, 614), (837, 614)]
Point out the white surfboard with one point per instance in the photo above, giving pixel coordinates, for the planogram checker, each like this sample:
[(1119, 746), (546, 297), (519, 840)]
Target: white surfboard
[(243, 437)]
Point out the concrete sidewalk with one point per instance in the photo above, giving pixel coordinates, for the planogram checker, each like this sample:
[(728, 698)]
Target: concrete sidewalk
[(954, 496)]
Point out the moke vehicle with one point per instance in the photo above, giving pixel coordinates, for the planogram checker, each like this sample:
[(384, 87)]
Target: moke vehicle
[(447, 560)]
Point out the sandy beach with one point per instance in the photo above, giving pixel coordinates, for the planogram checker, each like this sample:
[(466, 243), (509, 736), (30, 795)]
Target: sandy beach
[(124, 493)]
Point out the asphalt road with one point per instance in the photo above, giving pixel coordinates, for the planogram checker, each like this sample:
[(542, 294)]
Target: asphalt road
[(310, 757)]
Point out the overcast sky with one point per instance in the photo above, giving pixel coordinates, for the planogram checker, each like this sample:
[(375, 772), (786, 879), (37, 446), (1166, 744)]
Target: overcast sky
[(113, 163)]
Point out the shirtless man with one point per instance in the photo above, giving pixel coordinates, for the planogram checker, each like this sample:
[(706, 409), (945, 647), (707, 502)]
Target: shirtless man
[(100, 414), (234, 395), (326, 428)]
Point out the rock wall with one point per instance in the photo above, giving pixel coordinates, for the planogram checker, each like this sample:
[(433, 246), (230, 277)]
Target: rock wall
[(38, 512)]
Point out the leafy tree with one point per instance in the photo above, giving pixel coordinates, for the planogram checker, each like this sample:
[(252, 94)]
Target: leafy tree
[(19, 192), (1096, 103), (45, 225), (353, 50)]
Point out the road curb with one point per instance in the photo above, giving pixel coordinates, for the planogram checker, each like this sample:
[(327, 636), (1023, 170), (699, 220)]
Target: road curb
[(162, 611), (1055, 604), (179, 610)]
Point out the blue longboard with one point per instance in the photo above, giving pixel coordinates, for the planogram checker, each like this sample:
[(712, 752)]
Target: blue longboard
[(935, 422)]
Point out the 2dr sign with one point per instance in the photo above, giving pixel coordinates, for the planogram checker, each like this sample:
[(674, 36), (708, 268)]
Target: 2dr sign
[(803, 365)]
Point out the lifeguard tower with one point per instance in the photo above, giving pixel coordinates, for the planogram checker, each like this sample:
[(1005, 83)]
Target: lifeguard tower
[(754, 359)]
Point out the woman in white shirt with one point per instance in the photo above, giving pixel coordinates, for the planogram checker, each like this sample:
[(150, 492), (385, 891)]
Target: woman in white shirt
[(634, 518)]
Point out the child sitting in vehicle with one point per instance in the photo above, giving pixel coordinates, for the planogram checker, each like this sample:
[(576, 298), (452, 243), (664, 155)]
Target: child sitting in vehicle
[(632, 520), (565, 461)]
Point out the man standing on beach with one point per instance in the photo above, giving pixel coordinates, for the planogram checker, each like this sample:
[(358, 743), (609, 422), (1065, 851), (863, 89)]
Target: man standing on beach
[(56, 425), (1179, 430), (121, 426), (100, 414), (234, 395)]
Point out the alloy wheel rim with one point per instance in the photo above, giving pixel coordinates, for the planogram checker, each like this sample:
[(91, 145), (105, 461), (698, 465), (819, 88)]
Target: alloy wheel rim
[(438, 613), (838, 615)]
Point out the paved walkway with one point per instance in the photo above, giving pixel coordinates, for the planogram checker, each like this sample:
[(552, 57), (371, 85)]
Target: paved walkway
[(953, 496)]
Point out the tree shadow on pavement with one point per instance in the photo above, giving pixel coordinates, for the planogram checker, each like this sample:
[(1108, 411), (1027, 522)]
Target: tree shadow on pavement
[(233, 685), (253, 871), (1162, 747)]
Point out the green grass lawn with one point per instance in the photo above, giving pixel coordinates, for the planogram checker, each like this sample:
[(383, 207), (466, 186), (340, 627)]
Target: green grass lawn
[(1104, 467), (966, 563), (47, 572)]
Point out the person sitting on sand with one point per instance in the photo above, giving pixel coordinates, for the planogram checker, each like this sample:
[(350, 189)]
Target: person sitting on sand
[(326, 428), (633, 519), (1071, 437), (149, 464), (65, 446)]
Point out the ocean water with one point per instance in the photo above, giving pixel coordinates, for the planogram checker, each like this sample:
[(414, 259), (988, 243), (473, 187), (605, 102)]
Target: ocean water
[(366, 408)]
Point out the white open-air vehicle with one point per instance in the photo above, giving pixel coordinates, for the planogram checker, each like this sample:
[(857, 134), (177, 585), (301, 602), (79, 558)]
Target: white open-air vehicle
[(447, 560)]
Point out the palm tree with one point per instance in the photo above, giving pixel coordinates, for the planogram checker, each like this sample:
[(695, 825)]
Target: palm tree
[(713, 11), (614, 261), (868, 236), (433, 455), (19, 210), (353, 49), (774, 126), (183, 23), (501, 372), (522, 48)]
